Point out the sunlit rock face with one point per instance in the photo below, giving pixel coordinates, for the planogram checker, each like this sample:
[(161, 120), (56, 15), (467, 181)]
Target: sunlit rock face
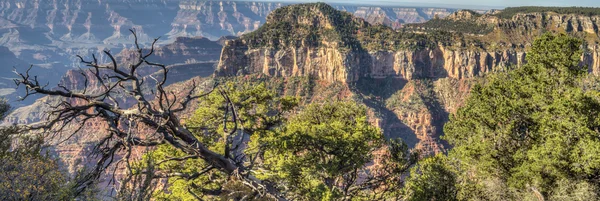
[(429, 82), (50, 33)]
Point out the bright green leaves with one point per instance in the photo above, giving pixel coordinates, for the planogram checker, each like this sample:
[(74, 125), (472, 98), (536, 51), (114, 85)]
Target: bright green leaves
[(321, 149), (557, 57), (327, 151), (432, 179), (531, 127), (259, 111)]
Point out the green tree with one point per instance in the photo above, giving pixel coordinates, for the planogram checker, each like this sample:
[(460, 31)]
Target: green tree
[(26, 172), (323, 152), (431, 179), (259, 112), (528, 131)]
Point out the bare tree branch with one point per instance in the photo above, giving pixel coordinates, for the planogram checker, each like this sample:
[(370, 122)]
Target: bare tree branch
[(125, 125)]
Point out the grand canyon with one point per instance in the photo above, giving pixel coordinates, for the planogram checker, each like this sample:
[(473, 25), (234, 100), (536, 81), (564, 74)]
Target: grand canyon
[(412, 67)]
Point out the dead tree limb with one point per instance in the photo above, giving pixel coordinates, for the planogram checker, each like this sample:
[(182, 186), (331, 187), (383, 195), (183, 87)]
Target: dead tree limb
[(158, 113)]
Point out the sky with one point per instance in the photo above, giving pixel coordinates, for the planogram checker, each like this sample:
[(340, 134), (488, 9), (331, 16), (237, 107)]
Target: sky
[(463, 3)]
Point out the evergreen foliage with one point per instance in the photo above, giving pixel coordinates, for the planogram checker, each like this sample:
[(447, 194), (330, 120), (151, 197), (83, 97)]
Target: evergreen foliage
[(321, 150), (318, 153), (432, 179), (530, 132), (325, 151), (26, 172), (260, 112)]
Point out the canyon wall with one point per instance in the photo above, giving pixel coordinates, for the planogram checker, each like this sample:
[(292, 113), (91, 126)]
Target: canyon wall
[(49, 33), (330, 63), (469, 58), (419, 86), (417, 120)]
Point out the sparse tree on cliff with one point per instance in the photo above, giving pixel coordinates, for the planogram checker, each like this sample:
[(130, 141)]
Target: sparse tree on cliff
[(155, 109)]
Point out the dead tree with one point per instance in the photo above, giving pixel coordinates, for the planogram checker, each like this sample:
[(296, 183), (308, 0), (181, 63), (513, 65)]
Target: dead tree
[(158, 113)]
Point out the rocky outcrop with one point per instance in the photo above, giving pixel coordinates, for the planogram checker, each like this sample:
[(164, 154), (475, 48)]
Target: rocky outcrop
[(181, 51), (326, 63), (439, 76), (441, 62), (50, 33), (551, 21), (330, 63), (463, 58)]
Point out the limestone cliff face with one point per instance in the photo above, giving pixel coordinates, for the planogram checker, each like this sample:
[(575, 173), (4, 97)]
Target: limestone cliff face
[(330, 63), (551, 21), (441, 62), (591, 58), (505, 46), (532, 23), (432, 81), (326, 63)]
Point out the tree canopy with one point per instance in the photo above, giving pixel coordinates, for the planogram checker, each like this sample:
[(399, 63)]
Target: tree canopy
[(27, 171), (530, 131), (321, 152)]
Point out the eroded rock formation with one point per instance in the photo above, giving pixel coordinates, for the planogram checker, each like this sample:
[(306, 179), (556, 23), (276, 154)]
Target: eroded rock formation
[(434, 80)]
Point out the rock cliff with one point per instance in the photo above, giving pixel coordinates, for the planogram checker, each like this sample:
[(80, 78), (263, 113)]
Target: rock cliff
[(50, 33), (465, 57), (329, 58), (433, 67)]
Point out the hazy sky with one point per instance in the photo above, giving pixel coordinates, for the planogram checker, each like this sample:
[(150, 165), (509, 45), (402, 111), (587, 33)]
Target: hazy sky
[(469, 3)]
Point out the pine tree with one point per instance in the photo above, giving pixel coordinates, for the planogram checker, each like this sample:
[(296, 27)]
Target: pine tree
[(527, 131)]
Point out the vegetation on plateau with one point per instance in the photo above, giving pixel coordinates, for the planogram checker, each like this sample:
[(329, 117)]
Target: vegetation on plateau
[(459, 26), (509, 12), (312, 25)]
